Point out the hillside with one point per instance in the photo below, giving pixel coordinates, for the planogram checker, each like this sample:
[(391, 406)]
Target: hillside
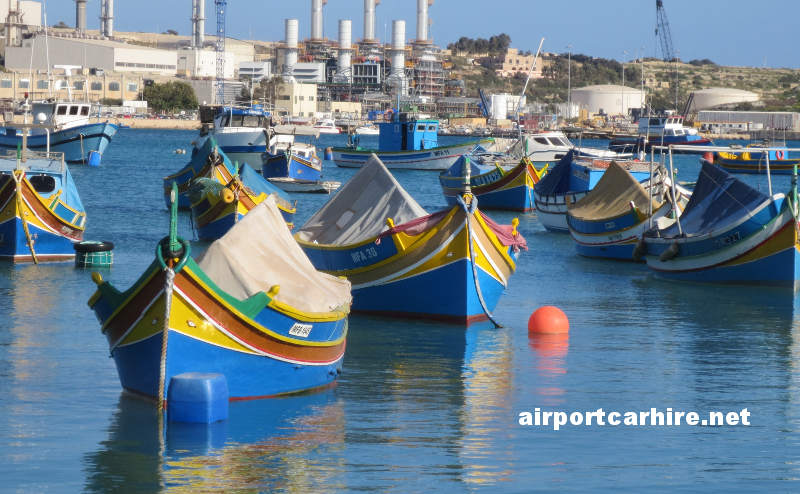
[(779, 88)]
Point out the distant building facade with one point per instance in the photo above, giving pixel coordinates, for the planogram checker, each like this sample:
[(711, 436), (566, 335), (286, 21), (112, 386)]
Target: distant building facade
[(512, 63)]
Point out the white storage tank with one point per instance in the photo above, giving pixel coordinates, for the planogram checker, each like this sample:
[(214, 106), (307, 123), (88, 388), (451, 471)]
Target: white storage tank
[(612, 99), (717, 96)]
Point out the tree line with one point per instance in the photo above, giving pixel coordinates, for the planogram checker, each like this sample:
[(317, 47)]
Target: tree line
[(494, 45)]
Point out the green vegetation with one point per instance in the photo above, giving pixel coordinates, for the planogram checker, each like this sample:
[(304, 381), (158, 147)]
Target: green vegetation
[(170, 96), (111, 102), (495, 45)]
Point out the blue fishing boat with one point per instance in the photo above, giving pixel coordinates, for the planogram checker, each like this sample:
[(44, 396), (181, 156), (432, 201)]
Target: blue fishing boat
[(289, 158), (240, 132), (42, 214), (217, 206), (610, 219), (408, 142), (452, 265), (753, 160), (252, 308), (494, 186), (568, 182), (207, 161), (729, 233), (61, 127)]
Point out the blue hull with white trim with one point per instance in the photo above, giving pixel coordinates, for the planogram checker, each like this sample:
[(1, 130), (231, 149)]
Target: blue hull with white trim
[(75, 142)]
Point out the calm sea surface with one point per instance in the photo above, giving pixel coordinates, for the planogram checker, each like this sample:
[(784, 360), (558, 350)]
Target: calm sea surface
[(419, 406)]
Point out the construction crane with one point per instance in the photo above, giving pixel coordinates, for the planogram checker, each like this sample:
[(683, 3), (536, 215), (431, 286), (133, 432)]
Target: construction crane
[(665, 40), (220, 49)]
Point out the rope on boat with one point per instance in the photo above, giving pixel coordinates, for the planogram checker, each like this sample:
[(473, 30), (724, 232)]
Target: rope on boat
[(83, 156), (162, 375), (470, 209), (18, 181)]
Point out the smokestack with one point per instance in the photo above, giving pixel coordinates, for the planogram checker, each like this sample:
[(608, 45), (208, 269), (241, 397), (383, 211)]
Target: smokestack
[(110, 20), (292, 29), (316, 19), (102, 17), (200, 24), (369, 19), (397, 75), (80, 16), (343, 69), (193, 19), (422, 19)]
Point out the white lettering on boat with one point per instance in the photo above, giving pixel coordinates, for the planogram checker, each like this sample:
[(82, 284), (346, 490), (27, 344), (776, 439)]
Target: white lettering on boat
[(301, 330), (364, 254)]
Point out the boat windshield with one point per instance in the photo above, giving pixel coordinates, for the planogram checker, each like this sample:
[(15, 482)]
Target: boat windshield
[(254, 121)]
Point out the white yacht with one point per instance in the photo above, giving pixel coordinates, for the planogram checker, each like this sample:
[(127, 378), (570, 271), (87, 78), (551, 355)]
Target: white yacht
[(327, 126), (241, 133), (550, 146)]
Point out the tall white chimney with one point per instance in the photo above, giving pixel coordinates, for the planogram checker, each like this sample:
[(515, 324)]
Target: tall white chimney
[(422, 19), (80, 16), (102, 17), (397, 76), (292, 29), (369, 19), (344, 71), (107, 18), (193, 19), (200, 24), (316, 19)]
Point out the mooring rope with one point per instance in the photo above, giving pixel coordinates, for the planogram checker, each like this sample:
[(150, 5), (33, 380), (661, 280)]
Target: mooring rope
[(18, 181), (470, 209), (162, 376)]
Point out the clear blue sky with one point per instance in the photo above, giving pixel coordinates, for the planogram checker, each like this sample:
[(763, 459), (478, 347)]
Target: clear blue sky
[(729, 32)]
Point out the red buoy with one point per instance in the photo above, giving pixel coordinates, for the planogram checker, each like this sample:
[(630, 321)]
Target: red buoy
[(708, 156), (548, 319)]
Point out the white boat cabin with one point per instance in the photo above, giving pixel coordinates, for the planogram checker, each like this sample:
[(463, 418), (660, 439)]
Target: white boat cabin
[(669, 125), (63, 115)]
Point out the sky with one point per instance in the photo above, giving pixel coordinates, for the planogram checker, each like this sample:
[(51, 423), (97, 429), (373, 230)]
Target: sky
[(728, 32)]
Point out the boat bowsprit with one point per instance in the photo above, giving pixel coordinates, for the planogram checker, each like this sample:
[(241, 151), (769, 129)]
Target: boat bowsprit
[(252, 308)]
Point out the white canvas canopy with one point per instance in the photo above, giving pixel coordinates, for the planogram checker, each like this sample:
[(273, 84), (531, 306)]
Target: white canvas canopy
[(259, 252), (360, 208)]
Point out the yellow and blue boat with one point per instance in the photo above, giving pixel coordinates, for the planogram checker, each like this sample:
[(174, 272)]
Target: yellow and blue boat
[(452, 265), (252, 308), (495, 187), (40, 210), (729, 233), (753, 160), (610, 219), (217, 206), (203, 164)]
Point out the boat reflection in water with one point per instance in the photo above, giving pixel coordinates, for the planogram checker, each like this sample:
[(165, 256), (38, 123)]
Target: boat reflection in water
[(265, 445), (487, 416)]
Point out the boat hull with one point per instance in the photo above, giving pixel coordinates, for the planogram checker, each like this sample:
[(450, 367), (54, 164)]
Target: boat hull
[(438, 158), (74, 142), (761, 250), (250, 342), (283, 166), (498, 189)]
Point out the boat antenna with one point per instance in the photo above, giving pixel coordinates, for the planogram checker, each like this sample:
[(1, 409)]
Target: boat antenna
[(525, 87), (46, 52)]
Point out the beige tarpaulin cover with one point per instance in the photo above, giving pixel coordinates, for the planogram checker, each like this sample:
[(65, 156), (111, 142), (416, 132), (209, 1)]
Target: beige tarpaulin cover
[(611, 196), (259, 252), (360, 208)]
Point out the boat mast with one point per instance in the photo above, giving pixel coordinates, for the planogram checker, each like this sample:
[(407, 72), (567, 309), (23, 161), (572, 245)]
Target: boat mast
[(525, 87)]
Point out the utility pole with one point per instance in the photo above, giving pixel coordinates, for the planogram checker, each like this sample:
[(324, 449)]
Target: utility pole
[(569, 82)]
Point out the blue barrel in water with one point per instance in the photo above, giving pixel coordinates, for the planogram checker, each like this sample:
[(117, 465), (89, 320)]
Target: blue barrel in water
[(95, 158), (196, 397), (328, 153)]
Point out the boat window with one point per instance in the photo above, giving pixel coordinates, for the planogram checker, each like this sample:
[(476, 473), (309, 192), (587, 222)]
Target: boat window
[(61, 110), (655, 121), (563, 142), (678, 132), (421, 127), (541, 140), (43, 184), (432, 128), (73, 110), (84, 110), (251, 121)]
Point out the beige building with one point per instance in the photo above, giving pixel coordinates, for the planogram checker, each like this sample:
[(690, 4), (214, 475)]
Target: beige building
[(296, 100), (38, 85), (513, 62)]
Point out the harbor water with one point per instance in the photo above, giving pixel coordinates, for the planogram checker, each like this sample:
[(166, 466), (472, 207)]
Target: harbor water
[(419, 406)]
